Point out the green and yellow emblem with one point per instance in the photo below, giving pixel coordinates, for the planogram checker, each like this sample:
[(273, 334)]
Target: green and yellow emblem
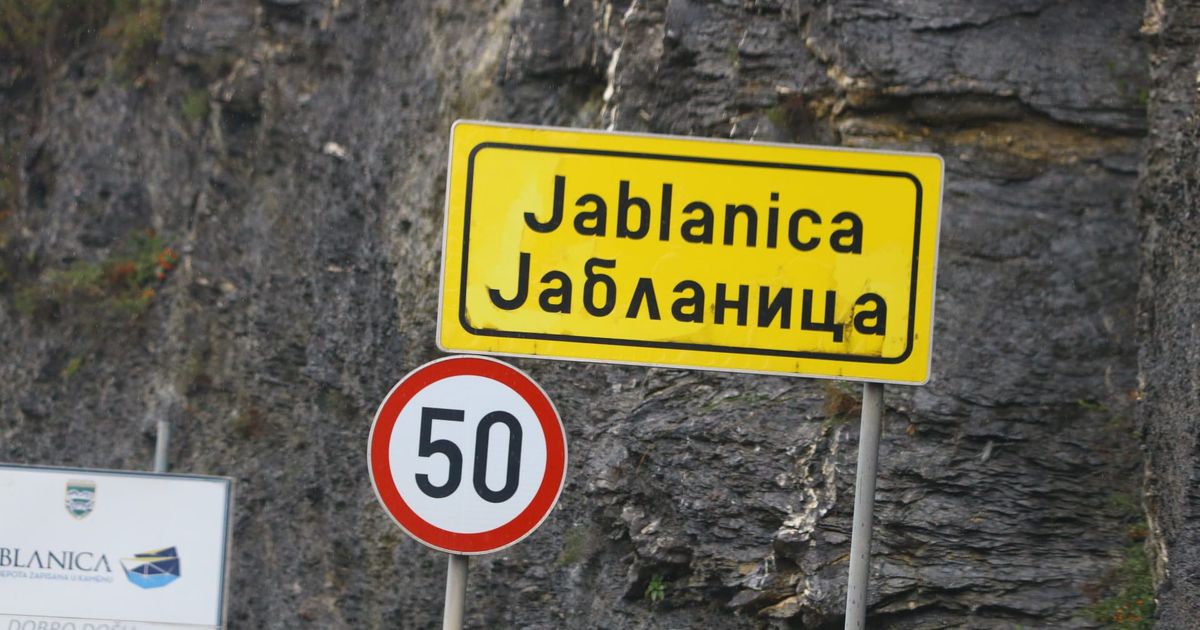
[(81, 497)]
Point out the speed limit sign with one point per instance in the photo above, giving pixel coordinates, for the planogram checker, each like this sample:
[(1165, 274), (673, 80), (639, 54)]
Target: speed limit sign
[(467, 454)]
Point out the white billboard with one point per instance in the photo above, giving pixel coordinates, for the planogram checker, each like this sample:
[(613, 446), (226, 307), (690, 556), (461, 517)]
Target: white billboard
[(108, 550)]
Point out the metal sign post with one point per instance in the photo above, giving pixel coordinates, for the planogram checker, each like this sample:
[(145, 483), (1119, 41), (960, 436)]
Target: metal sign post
[(456, 592), (864, 506), (161, 443)]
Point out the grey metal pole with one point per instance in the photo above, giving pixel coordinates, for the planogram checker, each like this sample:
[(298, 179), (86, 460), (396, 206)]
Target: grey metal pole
[(456, 592), (864, 506), (161, 443)]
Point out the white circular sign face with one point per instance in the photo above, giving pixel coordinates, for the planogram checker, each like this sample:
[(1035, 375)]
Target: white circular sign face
[(467, 454)]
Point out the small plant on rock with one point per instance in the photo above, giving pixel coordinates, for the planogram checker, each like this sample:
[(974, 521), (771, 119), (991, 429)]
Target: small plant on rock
[(656, 590)]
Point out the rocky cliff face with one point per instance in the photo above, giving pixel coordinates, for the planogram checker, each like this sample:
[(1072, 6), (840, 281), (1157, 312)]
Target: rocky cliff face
[(290, 155), (1169, 344)]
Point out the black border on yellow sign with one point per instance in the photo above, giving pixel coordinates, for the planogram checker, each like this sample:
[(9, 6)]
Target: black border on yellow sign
[(675, 345)]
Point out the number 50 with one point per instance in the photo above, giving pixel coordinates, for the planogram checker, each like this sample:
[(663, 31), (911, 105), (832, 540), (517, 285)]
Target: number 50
[(427, 447)]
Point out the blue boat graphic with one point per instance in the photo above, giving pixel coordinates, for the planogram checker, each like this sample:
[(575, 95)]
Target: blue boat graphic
[(153, 569)]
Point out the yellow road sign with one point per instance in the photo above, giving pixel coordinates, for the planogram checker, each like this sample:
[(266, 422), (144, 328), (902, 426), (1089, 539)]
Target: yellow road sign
[(684, 252)]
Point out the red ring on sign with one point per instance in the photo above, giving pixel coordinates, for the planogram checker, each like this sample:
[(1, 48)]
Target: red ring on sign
[(442, 539)]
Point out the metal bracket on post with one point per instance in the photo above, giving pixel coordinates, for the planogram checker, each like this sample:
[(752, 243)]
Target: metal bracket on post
[(864, 506), (161, 443), (456, 592)]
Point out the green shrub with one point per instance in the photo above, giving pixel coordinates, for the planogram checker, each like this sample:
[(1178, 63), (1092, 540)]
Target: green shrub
[(1131, 605), (124, 284), (136, 28), (37, 34)]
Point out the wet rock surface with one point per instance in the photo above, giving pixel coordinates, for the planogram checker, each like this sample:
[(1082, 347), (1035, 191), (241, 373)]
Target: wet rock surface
[(293, 154)]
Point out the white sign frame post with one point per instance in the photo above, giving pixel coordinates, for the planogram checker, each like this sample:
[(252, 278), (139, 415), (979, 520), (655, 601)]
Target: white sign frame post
[(450, 502), (162, 444)]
